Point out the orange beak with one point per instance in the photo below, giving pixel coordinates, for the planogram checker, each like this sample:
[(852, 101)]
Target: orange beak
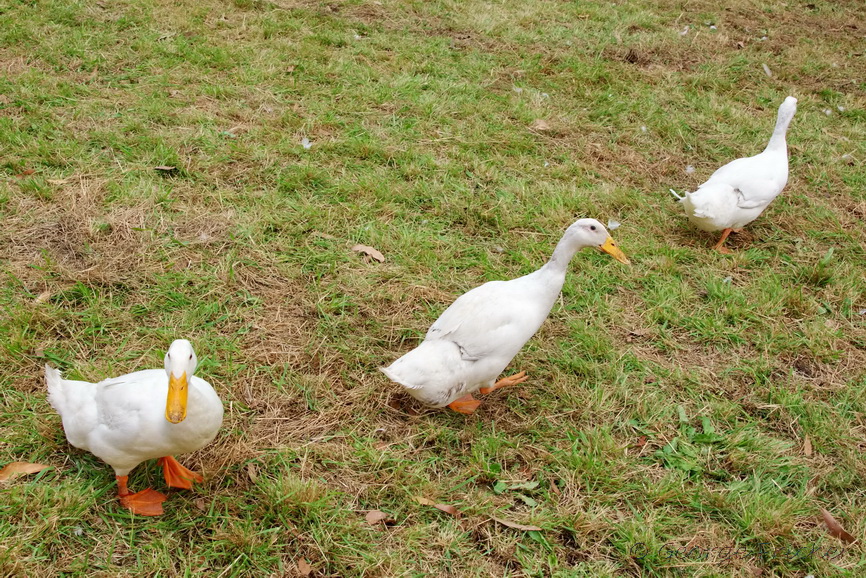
[(175, 403), (611, 249)]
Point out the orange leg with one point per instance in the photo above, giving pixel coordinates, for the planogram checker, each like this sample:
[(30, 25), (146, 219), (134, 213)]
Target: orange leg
[(718, 247), (177, 476), (465, 405), (512, 380), (144, 503)]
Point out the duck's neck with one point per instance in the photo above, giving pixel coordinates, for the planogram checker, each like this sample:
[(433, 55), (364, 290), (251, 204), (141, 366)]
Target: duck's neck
[(558, 263), (777, 141)]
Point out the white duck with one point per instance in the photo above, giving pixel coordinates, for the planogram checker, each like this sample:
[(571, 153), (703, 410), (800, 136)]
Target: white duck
[(737, 193), (478, 335), (147, 414)]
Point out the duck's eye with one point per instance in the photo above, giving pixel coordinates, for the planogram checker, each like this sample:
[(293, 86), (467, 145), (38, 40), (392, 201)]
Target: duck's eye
[(190, 356), (592, 227)]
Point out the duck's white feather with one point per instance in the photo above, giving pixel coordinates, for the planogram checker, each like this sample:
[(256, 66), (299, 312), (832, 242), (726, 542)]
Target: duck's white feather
[(475, 338), (122, 420)]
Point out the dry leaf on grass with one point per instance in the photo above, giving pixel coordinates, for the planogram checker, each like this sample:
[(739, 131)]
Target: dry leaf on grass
[(165, 168), (443, 507), (304, 568), (369, 251), (807, 446), (516, 526), (835, 528), (375, 517), (16, 469), (540, 125), (322, 235), (253, 472)]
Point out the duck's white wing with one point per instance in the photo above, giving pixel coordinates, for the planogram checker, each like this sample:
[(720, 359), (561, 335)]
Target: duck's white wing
[(757, 193), (494, 319)]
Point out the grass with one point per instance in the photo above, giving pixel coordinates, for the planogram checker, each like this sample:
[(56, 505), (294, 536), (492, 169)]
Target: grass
[(668, 402)]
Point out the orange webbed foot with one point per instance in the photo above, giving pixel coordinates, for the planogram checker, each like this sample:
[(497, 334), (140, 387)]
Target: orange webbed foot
[(177, 476), (465, 405), (144, 503), (511, 380)]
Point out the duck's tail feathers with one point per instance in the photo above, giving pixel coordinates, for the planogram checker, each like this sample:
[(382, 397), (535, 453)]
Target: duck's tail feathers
[(397, 379), (679, 198), (55, 387)]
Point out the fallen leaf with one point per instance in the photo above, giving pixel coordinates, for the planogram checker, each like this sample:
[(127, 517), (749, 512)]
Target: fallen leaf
[(807, 446), (553, 487), (290, 68), (253, 472), (304, 568), (448, 509), (517, 526), (25, 173), (16, 469), (200, 504), (641, 441), (374, 517), (539, 124), (374, 253), (322, 235), (443, 507), (165, 168), (43, 297), (835, 528)]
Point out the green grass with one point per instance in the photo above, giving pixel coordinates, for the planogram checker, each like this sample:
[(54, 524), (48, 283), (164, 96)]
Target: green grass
[(668, 401)]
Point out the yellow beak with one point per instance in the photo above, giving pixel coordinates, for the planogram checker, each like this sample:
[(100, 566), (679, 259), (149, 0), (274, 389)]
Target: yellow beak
[(611, 249), (175, 403)]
